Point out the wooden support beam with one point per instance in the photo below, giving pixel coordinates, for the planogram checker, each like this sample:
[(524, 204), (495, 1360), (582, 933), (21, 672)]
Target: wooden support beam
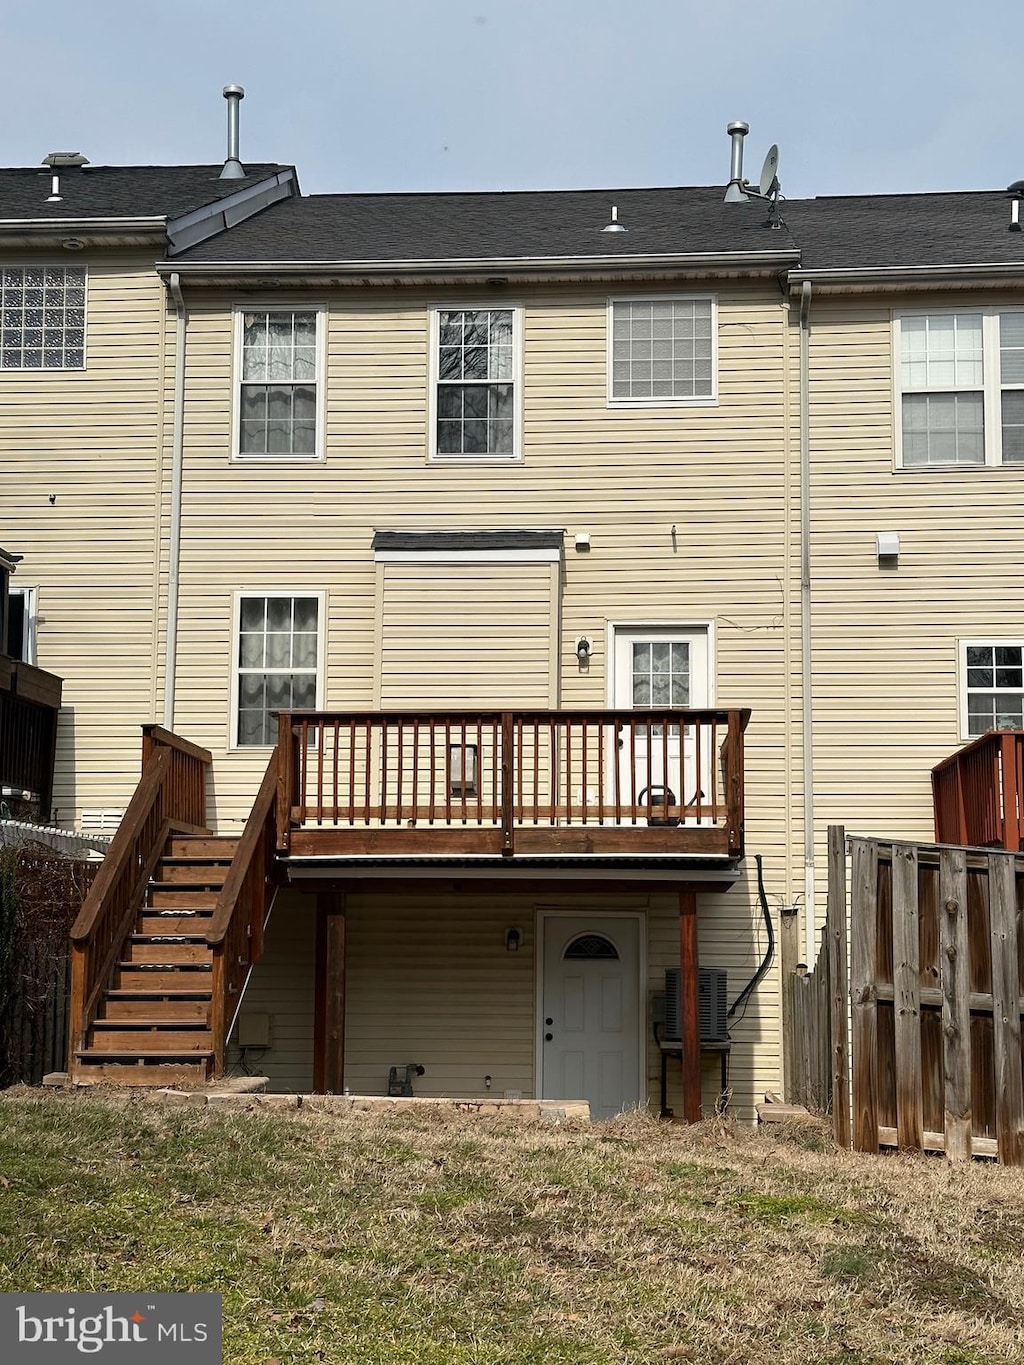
[(689, 1003), (955, 973), (839, 986), (329, 994)]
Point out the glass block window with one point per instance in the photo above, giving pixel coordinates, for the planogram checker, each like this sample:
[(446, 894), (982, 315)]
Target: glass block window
[(278, 394), (662, 350), (476, 399), (277, 662), (961, 388), (42, 317), (995, 687)]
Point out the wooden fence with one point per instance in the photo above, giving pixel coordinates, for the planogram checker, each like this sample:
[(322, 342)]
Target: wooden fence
[(936, 971), (815, 1011)]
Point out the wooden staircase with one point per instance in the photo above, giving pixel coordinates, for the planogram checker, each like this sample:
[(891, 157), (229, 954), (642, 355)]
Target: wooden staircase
[(153, 1023)]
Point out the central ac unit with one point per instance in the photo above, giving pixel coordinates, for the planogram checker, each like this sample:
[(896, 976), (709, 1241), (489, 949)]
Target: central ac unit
[(712, 1005)]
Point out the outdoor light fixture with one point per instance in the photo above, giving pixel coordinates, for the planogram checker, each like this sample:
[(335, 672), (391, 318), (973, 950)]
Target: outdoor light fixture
[(583, 651), (513, 938)]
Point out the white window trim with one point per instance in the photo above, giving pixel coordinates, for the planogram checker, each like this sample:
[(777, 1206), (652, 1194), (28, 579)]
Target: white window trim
[(64, 369), (699, 401), (468, 306), (993, 641), (666, 628), (235, 662), (31, 610), (990, 388), (279, 306)]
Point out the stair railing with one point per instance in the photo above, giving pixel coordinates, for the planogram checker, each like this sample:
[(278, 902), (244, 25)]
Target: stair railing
[(170, 798), (236, 929)]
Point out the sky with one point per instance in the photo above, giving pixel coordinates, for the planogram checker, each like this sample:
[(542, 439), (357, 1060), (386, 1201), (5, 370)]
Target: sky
[(861, 96)]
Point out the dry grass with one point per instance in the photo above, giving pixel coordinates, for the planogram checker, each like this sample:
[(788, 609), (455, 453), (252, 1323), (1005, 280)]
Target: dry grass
[(451, 1240)]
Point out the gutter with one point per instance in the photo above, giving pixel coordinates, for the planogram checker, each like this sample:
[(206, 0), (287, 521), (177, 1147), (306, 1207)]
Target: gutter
[(177, 463), (863, 278), (806, 670), (491, 265)]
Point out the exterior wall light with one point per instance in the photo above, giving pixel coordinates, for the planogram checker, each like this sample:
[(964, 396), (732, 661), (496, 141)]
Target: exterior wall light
[(513, 938), (583, 651)]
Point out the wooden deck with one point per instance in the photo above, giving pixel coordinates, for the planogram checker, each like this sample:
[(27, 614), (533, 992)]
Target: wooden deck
[(978, 793), (29, 706), (511, 784)]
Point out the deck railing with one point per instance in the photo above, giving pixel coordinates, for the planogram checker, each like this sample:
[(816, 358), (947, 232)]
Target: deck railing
[(511, 782), (170, 797), (236, 928), (29, 706), (978, 793)]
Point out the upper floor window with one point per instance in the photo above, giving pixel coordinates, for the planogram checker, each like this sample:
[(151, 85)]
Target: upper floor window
[(994, 686), (476, 405), (42, 317), (278, 662), (961, 387), (662, 351), (278, 403)]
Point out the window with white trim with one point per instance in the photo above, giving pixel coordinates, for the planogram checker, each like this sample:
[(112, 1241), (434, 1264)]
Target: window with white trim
[(278, 402), (961, 387), (42, 317), (278, 662), (21, 624), (994, 686), (476, 403), (661, 351)]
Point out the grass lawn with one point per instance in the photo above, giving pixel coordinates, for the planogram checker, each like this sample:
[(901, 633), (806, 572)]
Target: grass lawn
[(355, 1238)]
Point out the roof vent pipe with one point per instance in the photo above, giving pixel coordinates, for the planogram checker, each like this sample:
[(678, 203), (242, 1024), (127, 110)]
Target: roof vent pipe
[(734, 193), (1016, 193), (233, 168)]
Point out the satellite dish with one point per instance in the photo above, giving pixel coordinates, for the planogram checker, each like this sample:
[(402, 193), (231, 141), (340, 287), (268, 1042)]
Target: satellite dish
[(771, 165)]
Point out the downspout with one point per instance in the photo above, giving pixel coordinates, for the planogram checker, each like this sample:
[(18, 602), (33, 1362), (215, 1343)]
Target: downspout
[(177, 460), (805, 620)]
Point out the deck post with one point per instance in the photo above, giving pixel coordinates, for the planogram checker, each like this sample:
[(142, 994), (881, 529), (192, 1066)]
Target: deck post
[(689, 1004), (329, 993)]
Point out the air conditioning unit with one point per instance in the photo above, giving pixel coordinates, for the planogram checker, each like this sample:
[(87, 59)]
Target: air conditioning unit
[(712, 1005)]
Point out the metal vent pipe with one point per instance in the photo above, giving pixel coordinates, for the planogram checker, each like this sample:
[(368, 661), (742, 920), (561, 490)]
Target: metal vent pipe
[(233, 168), (734, 193)]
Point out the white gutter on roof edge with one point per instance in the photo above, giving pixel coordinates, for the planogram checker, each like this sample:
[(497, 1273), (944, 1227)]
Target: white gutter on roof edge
[(895, 276), (693, 260)]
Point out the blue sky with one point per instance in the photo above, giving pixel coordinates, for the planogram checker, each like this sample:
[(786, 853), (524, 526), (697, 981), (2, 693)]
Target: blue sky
[(473, 94)]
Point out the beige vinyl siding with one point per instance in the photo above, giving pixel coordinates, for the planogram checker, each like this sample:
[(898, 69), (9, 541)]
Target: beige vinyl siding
[(468, 634), (80, 452), (886, 683), (429, 980), (687, 511)]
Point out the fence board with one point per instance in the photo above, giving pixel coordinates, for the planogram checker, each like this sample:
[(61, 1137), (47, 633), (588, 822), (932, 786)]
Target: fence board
[(863, 970), (906, 997), (1006, 1008), (835, 927), (954, 966)]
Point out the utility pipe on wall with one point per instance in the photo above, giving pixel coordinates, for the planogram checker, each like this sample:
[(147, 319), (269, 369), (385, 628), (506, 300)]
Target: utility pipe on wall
[(805, 620), (177, 460)]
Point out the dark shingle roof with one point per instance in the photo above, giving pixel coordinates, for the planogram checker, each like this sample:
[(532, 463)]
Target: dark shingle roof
[(482, 226), (865, 231), (119, 191), (892, 231)]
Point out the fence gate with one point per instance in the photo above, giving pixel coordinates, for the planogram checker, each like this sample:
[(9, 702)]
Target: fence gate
[(936, 977)]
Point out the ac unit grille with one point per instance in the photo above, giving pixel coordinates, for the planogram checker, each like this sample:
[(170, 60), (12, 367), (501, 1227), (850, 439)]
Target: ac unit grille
[(712, 1005)]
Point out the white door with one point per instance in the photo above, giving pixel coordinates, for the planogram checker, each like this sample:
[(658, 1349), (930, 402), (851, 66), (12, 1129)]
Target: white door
[(590, 999), (661, 667)]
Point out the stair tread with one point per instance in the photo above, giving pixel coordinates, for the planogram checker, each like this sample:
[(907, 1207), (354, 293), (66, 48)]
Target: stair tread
[(186, 1054), (122, 1024), (136, 993)]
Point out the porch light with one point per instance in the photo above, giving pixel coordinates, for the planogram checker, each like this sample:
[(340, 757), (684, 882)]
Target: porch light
[(583, 651), (513, 938)]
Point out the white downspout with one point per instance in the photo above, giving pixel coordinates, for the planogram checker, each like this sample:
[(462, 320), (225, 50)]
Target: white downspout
[(177, 460), (806, 670)]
